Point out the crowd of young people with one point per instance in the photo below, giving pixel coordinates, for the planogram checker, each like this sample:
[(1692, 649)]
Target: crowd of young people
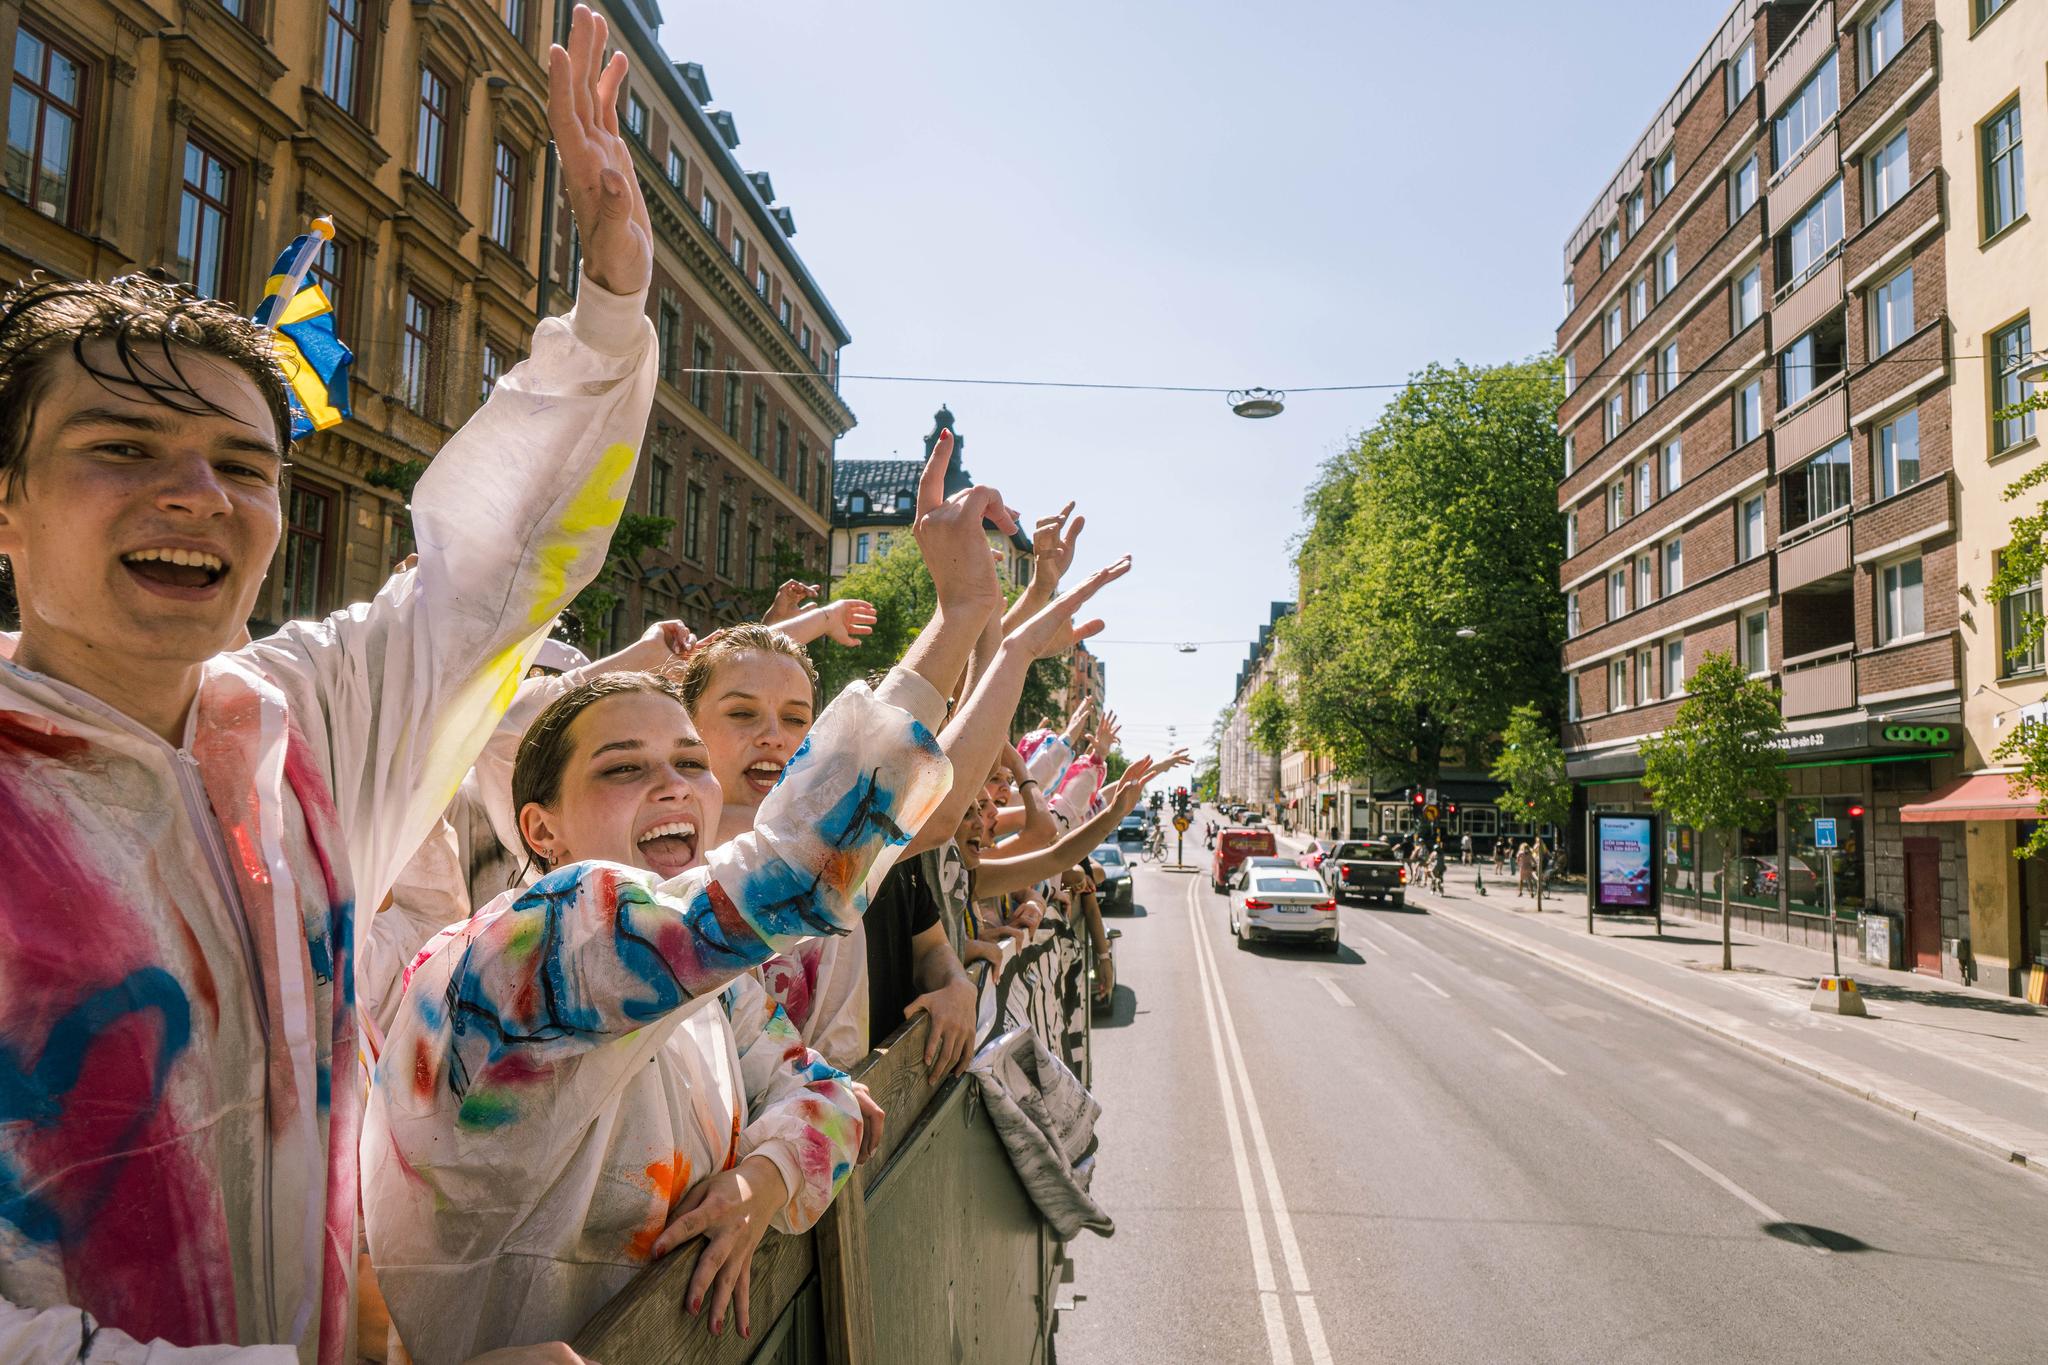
[(543, 971)]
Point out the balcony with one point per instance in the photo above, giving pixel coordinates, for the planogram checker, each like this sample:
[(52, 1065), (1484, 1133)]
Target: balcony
[(1817, 559), (1817, 684), (1808, 301), (1795, 187), (1817, 424), (1796, 57)]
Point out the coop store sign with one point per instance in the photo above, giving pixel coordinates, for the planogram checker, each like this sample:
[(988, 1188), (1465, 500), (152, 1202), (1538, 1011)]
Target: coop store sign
[(1935, 736)]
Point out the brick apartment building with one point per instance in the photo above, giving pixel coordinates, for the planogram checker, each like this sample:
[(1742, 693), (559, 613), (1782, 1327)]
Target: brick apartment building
[(201, 137), (1762, 380)]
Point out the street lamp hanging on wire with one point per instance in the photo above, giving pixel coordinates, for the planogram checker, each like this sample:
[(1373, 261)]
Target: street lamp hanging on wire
[(1258, 402)]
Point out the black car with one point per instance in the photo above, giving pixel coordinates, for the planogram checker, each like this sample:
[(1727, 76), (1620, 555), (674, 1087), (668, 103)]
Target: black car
[(1115, 893), (1131, 832)]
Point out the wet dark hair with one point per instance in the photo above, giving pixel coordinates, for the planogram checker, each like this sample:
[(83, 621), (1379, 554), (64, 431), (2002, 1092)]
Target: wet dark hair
[(729, 644), (544, 749), (148, 320)]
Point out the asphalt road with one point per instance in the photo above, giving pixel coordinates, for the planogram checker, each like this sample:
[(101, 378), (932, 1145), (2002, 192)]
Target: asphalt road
[(1429, 1148)]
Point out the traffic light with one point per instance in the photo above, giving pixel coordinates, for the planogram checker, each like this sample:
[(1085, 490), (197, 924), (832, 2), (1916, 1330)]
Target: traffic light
[(1856, 811), (1451, 809), (1418, 800)]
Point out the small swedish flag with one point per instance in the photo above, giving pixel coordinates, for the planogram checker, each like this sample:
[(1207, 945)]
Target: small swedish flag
[(315, 362)]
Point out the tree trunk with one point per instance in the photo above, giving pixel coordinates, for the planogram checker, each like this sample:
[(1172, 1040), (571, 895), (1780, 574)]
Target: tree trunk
[(1727, 940)]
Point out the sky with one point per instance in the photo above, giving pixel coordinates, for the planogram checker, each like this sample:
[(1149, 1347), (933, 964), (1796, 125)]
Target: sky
[(1189, 193)]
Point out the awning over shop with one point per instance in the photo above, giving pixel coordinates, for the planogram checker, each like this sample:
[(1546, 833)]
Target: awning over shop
[(1980, 796)]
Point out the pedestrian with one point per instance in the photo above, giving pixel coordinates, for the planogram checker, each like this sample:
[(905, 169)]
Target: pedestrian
[(1465, 850), (1525, 871), (1539, 857)]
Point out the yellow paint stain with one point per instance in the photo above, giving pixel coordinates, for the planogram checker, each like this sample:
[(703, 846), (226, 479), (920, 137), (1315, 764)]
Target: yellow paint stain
[(594, 506)]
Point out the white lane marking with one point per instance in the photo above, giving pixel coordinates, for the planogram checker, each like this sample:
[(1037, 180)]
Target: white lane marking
[(1369, 943), (1390, 929), (1555, 1069), (1770, 1215), (1336, 991), (1254, 1228), (1276, 1200), (1431, 984)]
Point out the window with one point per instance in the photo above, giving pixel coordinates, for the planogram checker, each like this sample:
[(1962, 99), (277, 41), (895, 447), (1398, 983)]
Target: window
[(1663, 177), (803, 468), (723, 547), (1742, 187), (46, 113), (1883, 36), (761, 280), (1811, 240), (739, 251), (1674, 667), (782, 450), (1571, 375), (668, 338), (860, 548), (732, 406), (430, 139), (1987, 8), (753, 575), (1667, 368), (505, 197), (1615, 329), (1802, 118), (882, 542), (1898, 452), (707, 212), (1571, 533), (1646, 580), (493, 370), (205, 220), (1646, 672), (1667, 271), (822, 487), (1618, 691), (2010, 349), (1812, 360), (693, 516), (1749, 296), (1674, 465), (2005, 184), (1891, 312), (1617, 503), (760, 446), (700, 375), (1890, 170), (1818, 488), (1674, 566), (1571, 697), (804, 340), (1635, 213), (1571, 615), (514, 12), (1756, 643), (1571, 295), (1571, 453), (1742, 75), (1610, 245), (416, 359), (330, 272), (305, 551), (677, 168), (1617, 414), (1646, 484), (1750, 529), (660, 484), (2019, 631), (1749, 412), (1617, 594), (1639, 301), (783, 312), (1639, 387), (636, 116), (341, 56), (1901, 615)]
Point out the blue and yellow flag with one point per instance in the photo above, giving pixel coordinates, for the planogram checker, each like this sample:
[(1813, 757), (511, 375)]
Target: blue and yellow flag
[(315, 362)]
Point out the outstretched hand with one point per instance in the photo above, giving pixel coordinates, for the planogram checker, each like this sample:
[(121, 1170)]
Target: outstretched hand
[(849, 619), (1053, 630), (950, 535), (597, 166), (1052, 547), (791, 598)]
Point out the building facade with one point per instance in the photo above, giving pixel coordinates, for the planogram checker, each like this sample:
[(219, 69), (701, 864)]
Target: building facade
[(198, 138), (875, 501), (1769, 390), (1246, 772)]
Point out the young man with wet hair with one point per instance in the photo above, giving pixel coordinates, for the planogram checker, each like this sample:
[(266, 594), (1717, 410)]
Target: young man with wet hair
[(190, 829)]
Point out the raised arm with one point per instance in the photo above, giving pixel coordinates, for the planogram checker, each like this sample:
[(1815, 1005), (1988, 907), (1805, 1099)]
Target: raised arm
[(1001, 876)]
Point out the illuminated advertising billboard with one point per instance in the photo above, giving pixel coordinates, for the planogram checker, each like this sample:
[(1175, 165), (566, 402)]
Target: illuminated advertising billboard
[(1624, 873)]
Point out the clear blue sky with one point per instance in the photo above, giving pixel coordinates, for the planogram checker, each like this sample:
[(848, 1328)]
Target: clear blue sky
[(1197, 192)]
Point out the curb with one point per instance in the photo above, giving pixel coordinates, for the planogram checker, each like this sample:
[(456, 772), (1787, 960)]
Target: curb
[(1954, 1128)]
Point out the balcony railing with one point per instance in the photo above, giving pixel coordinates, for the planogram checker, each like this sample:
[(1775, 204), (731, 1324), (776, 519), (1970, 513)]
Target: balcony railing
[(1819, 683)]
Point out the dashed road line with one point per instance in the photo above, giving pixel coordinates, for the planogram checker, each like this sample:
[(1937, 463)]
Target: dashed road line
[(1431, 984), (1771, 1215), (1510, 1038), (1336, 992)]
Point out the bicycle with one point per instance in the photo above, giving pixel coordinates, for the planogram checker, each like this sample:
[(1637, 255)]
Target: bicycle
[(1155, 843)]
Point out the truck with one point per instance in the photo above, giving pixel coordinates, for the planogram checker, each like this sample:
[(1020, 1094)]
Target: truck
[(1366, 869)]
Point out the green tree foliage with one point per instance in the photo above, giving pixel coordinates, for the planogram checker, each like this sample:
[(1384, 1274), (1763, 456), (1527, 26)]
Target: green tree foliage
[(1531, 767), (1207, 781), (1271, 723), (2020, 566), (1716, 766), (1442, 517)]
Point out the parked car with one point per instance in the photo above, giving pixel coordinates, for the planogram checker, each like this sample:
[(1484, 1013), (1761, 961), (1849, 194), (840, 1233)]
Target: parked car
[(1366, 869), (1130, 832), (1251, 817), (1233, 846), (1312, 856), (1282, 903), (1115, 892)]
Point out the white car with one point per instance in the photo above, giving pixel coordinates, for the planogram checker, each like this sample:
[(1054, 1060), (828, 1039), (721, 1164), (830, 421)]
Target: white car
[(1282, 903)]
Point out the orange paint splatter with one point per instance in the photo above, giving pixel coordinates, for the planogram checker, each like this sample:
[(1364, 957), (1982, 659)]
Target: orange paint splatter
[(669, 1178)]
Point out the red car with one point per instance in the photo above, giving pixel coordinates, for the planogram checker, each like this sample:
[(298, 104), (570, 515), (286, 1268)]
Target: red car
[(1312, 857), (1233, 846)]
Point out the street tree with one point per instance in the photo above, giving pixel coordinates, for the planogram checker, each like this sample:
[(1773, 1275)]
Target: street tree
[(1715, 767), (1429, 564), (1531, 767), (1269, 718), (2019, 568)]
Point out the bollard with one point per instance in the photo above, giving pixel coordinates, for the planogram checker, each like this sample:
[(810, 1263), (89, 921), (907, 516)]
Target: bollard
[(1481, 871), (1838, 995)]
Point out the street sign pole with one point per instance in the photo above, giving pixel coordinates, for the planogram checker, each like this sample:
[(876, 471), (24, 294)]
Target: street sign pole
[(1834, 942)]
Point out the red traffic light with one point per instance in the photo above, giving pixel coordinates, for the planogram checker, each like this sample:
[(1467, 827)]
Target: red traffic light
[(1418, 798), (1452, 808), (1856, 812)]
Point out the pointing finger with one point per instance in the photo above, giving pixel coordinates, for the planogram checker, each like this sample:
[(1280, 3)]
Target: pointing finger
[(931, 485)]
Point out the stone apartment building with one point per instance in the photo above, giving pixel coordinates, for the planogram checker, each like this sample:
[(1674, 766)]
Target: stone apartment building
[(1767, 390), (1246, 772), (199, 137)]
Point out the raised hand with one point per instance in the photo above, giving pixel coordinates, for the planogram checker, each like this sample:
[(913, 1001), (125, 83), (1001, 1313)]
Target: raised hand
[(849, 619), (597, 166), (1052, 547), (791, 598), (950, 535), (1053, 631), (1077, 724), (1107, 733)]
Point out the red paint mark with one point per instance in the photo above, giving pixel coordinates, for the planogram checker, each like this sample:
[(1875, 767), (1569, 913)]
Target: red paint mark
[(201, 975), (516, 1068), (422, 1070), (32, 736)]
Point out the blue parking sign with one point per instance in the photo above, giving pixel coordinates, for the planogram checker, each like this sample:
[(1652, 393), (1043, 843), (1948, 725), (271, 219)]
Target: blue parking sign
[(1824, 834)]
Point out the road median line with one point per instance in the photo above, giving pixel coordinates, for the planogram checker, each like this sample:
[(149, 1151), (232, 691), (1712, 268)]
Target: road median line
[(1838, 1076)]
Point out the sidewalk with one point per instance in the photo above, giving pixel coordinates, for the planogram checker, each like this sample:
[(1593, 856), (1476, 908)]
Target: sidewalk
[(1971, 1064)]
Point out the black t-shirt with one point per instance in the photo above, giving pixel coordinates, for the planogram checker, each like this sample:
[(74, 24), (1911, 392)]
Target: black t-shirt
[(903, 906)]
